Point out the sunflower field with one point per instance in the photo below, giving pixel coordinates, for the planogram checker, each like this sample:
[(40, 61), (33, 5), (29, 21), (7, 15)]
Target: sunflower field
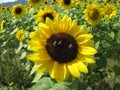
[(60, 45)]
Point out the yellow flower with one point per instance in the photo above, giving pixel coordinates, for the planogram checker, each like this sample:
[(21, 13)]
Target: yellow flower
[(18, 10), (2, 23), (35, 2), (118, 3), (61, 47), (11, 83), (80, 4), (53, 2), (4, 7), (46, 13), (109, 10), (66, 4), (89, 1), (20, 35), (45, 2), (92, 14)]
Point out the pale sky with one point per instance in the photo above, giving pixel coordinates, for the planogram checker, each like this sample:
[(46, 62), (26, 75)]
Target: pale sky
[(4, 1)]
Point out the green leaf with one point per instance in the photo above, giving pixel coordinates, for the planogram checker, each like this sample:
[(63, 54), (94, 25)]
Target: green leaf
[(61, 86), (14, 31), (37, 78), (116, 69), (43, 84), (97, 44), (82, 86), (102, 62), (23, 55), (34, 69), (75, 84), (112, 35), (19, 48), (3, 88)]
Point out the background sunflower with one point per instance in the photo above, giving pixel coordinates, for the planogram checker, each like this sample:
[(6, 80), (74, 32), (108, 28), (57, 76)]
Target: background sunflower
[(47, 12), (93, 14), (35, 2), (18, 10), (109, 10), (66, 4)]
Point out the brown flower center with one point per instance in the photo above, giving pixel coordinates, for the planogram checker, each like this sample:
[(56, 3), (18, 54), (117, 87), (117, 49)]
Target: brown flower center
[(94, 14), (18, 10), (49, 15), (62, 47), (35, 1), (67, 2)]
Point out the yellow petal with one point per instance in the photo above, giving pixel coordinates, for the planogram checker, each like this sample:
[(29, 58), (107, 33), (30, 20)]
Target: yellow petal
[(38, 58), (81, 67), (73, 70), (35, 46), (89, 59), (50, 24), (85, 50), (83, 38), (42, 68), (33, 57), (88, 43), (74, 31), (44, 30), (60, 71)]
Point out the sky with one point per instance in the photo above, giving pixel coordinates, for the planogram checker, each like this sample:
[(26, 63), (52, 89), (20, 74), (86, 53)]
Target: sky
[(5, 1)]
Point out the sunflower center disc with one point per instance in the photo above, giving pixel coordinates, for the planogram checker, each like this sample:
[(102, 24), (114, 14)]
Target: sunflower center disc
[(66, 2), (18, 10), (62, 47), (48, 15), (94, 14), (35, 1), (108, 12)]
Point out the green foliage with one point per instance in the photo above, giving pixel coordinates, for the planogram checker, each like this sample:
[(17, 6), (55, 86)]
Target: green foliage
[(15, 69)]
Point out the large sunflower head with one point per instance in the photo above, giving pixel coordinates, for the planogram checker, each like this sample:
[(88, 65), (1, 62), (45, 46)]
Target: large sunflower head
[(92, 14), (42, 15), (35, 2), (66, 4), (61, 47), (109, 10), (18, 10)]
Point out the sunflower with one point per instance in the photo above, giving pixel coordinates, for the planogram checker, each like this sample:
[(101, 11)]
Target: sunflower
[(53, 2), (4, 7), (66, 4), (18, 10), (20, 35), (80, 4), (118, 3), (61, 47), (93, 14), (2, 23), (46, 13), (35, 2), (109, 10)]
